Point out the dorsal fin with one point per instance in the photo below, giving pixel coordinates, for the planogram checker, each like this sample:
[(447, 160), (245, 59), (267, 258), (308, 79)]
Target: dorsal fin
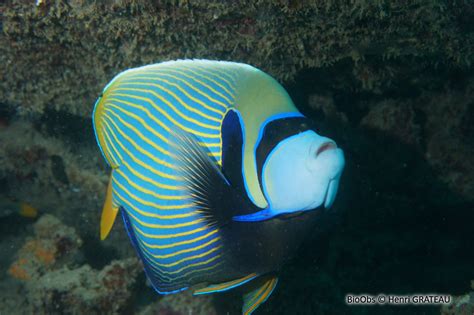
[(221, 287), (259, 292), (109, 212)]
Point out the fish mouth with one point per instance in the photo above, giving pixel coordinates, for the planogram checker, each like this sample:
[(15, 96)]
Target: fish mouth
[(326, 147)]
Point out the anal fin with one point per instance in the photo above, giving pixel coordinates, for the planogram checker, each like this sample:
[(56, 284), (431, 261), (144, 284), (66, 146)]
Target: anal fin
[(109, 213), (259, 292), (221, 287)]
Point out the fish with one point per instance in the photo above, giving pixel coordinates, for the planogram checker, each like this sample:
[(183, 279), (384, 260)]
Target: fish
[(10, 207), (216, 174)]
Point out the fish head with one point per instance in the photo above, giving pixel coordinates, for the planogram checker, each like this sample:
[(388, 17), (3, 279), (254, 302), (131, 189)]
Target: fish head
[(302, 173)]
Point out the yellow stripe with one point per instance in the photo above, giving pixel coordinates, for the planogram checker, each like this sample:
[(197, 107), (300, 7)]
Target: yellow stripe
[(110, 143), (176, 97), (209, 145), (152, 215), (141, 163), (149, 180), (167, 236), (139, 134), (185, 267), (183, 73), (147, 127), (223, 73), (198, 270), (204, 76), (187, 250), (138, 148), (198, 101), (170, 105), (222, 286), (210, 98), (150, 192), (214, 154), (268, 288), (165, 226), (108, 130), (152, 204), (145, 99), (218, 75), (182, 242), (255, 296), (175, 280), (139, 119), (145, 110), (103, 145)]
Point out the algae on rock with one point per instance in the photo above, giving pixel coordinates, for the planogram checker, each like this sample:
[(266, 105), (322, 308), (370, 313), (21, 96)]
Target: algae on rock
[(61, 53)]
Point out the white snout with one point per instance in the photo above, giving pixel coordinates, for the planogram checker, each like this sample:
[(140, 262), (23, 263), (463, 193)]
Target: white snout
[(302, 173)]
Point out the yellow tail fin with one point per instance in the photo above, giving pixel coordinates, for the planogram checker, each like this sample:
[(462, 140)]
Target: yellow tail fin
[(109, 213)]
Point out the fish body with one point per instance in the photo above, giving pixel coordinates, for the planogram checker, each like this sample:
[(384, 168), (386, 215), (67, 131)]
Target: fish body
[(199, 151), (10, 207)]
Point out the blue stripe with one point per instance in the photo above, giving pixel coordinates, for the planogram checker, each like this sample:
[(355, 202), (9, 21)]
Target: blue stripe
[(168, 73), (180, 95)]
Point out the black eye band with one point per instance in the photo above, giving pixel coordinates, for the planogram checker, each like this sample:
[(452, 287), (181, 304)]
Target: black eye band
[(275, 132)]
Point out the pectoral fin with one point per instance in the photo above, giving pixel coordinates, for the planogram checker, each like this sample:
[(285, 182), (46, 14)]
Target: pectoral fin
[(226, 285), (260, 291), (109, 213), (205, 182)]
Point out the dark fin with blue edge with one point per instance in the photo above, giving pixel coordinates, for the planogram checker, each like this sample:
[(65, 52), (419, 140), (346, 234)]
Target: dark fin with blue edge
[(259, 291), (232, 145), (211, 191), (221, 287), (156, 282)]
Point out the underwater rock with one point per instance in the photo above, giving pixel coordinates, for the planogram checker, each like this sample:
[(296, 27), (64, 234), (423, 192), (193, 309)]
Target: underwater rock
[(77, 46), (84, 290), (53, 244), (398, 120), (49, 173), (439, 125), (46, 265), (325, 103), (461, 305), (183, 303), (449, 130)]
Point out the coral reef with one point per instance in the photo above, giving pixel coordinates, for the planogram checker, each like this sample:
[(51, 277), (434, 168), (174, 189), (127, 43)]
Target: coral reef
[(181, 304), (47, 265), (53, 244), (84, 290)]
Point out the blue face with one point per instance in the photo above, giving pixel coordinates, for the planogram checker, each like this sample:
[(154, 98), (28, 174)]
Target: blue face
[(302, 173)]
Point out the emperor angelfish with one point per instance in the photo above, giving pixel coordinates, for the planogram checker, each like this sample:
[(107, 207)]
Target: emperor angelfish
[(217, 175)]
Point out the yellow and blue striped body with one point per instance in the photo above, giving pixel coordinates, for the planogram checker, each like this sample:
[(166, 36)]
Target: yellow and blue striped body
[(135, 120)]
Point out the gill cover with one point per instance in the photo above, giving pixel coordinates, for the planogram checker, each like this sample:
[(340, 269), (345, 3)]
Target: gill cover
[(302, 173)]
